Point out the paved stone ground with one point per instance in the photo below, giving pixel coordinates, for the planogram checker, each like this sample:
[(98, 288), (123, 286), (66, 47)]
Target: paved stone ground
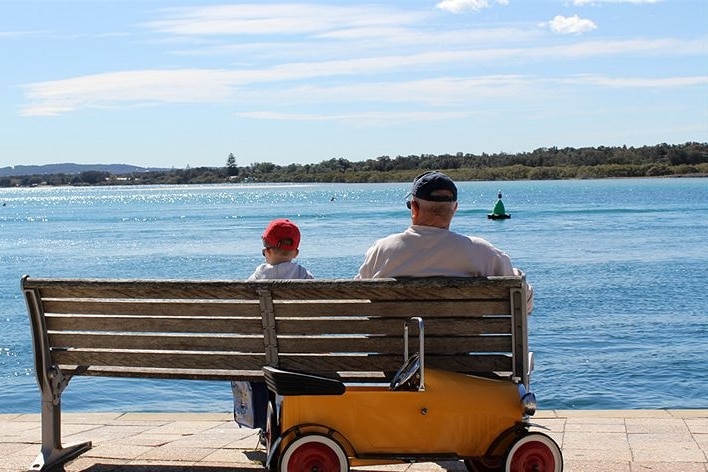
[(591, 440)]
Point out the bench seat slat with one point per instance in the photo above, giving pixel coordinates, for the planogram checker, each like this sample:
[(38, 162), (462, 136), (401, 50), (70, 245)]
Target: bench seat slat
[(160, 359), (225, 375), (307, 363), (323, 364), (215, 374), (166, 373)]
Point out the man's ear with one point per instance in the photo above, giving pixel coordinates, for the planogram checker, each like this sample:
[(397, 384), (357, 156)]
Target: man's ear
[(415, 207)]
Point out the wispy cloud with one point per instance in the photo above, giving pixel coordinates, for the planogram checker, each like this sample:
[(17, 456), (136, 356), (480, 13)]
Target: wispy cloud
[(280, 19), (580, 3), (20, 34), (635, 82), (255, 33), (128, 88), (57, 35), (362, 43), (571, 25), (437, 92), (458, 6)]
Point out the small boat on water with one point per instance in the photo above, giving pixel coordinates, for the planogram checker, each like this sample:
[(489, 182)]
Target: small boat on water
[(498, 212)]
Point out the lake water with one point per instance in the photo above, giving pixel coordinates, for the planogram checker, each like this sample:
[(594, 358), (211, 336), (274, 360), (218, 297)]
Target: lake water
[(619, 270)]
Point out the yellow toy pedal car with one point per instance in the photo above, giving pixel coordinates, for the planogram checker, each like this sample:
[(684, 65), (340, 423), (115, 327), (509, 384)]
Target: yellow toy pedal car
[(319, 424)]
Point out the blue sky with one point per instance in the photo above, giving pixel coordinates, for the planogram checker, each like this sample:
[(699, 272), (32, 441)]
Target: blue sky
[(170, 83)]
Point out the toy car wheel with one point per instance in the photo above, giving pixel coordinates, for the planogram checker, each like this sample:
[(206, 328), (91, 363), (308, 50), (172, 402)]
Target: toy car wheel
[(534, 452), (314, 452)]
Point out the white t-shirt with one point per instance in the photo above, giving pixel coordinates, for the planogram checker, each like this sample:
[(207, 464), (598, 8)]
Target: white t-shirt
[(284, 270), (426, 251)]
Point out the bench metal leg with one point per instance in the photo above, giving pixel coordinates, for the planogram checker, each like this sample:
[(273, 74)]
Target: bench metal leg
[(50, 458), (53, 454)]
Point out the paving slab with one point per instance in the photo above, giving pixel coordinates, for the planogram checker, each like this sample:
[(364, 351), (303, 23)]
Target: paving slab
[(591, 440)]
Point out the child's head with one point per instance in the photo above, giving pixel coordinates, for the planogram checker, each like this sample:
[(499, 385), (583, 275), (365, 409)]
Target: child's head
[(281, 239)]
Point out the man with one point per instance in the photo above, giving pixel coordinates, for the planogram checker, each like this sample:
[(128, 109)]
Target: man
[(428, 248)]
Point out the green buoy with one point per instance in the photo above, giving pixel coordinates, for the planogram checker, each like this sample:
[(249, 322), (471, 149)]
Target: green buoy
[(499, 212)]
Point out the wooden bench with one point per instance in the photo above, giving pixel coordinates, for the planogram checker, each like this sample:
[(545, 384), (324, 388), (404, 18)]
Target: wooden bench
[(229, 330)]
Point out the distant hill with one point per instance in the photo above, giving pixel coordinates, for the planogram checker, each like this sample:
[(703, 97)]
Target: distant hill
[(69, 168)]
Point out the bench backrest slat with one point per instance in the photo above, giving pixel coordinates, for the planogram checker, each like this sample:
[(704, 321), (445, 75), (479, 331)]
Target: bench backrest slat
[(105, 306), (379, 326), (392, 344), (142, 289), (393, 290), (76, 340), (401, 309), (382, 289), (136, 324)]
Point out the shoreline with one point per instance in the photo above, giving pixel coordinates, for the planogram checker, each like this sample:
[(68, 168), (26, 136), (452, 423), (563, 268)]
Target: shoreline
[(698, 175)]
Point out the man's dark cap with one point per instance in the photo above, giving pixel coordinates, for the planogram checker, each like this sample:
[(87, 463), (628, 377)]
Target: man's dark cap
[(426, 184)]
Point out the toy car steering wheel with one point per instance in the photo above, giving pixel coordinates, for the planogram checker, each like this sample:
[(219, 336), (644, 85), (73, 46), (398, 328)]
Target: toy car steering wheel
[(406, 372)]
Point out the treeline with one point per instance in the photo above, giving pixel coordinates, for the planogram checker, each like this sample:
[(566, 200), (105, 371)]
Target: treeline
[(541, 164)]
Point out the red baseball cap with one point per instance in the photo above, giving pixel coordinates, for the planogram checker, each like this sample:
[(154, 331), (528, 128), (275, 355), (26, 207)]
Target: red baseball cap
[(283, 234)]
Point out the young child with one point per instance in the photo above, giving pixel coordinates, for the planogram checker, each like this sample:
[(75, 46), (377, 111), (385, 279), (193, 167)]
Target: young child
[(281, 240), (280, 246)]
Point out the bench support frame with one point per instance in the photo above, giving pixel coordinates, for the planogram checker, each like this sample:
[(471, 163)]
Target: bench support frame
[(53, 454), (52, 383)]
